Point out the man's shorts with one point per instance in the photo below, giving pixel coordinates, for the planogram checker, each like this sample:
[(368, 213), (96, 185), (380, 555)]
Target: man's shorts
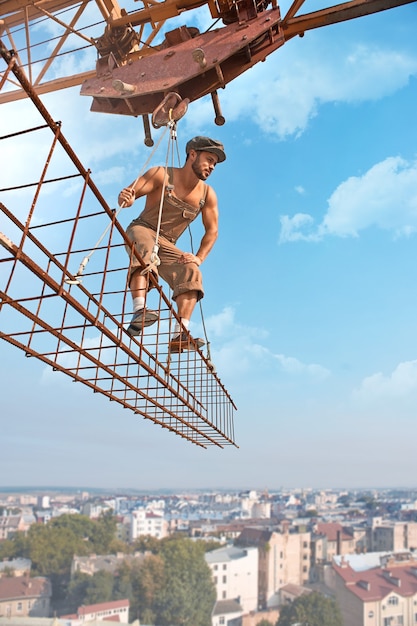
[(181, 277)]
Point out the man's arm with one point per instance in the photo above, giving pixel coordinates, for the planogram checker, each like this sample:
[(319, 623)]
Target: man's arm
[(142, 186), (210, 217)]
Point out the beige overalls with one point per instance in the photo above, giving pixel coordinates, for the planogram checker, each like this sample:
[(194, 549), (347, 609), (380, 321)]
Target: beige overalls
[(175, 218)]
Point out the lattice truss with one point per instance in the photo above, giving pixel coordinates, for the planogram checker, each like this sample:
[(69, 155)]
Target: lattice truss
[(79, 328)]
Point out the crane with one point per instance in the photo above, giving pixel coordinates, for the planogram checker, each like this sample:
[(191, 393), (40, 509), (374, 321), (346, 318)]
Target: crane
[(133, 73)]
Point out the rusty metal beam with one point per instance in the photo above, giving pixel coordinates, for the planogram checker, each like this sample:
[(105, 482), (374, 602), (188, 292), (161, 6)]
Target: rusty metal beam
[(293, 26), (154, 15)]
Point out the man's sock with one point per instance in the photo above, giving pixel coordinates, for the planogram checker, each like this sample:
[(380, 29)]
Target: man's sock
[(179, 327), (138, 303)]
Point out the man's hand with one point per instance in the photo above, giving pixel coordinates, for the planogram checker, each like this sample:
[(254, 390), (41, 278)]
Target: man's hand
[(189, 257), (127, 197)]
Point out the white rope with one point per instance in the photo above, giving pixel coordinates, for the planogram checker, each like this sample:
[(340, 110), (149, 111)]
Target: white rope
[(77, 278), (155, 261)]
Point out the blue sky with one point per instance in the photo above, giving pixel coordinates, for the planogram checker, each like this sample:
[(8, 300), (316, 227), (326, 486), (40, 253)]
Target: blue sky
[(311, 299)]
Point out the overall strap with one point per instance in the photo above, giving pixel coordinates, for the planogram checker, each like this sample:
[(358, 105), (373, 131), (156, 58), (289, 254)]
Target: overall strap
[(203, 199)]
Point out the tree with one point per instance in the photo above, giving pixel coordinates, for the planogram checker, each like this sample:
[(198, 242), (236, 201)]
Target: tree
[(147, 581), (76, 592), (100, 588), (313, 609), (146, 543), (188, 594)]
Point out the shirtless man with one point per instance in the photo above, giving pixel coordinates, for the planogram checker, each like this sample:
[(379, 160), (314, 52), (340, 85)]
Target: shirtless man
[(186, 195)]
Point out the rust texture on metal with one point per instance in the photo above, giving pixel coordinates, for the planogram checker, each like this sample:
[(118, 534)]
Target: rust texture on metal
[(193, 68), (77, 326), (186, 61)]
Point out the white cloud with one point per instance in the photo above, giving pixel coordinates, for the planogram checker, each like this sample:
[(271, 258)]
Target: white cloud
[(402, 382), (385, 197), (283, 94), (243, 349)]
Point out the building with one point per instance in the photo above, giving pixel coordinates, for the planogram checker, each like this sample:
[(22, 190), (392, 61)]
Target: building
[(381, 596), (22, 596), (235, 575), (147, 523), (109, 563), (116, 611), (331, 539), (289, 593), (393, 536), (16, 567), (227, 613), (284, 557), (10, 525)]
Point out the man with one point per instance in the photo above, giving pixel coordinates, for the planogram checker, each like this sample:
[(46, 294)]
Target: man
[(185, 196)]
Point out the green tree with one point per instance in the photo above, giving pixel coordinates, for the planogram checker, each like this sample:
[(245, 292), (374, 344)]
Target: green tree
[(104, 534), (51, 549), (147, 580), (123, 582), (14, 547), (311, 609), (188, 594), (100, 588), (146, 543), (76, 592)]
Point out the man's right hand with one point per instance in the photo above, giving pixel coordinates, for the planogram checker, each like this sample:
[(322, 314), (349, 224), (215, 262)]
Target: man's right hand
[(127, 197)]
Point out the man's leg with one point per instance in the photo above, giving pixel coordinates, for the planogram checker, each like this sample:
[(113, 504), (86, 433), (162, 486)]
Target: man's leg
[(144, 239), (141, 315), (185, 305)]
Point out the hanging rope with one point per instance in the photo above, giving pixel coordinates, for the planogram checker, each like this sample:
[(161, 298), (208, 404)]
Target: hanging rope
[(201, 311), (77, 278), (155, 261)]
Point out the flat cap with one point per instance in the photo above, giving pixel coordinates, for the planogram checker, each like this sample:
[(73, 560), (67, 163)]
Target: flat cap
[(207, 145)]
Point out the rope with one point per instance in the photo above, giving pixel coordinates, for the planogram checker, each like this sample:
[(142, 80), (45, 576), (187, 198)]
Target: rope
[(77, 278), (200, 305), (155, 261)]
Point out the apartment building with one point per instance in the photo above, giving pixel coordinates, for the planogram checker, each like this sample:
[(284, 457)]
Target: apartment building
[(331, 539), (22, 596), (144, 522), (235, 575), (381, 596), (386, 535), (11, 524), (284, 557)]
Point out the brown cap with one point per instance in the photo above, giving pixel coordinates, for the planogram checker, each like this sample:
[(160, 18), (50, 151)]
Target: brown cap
[(207, 145)]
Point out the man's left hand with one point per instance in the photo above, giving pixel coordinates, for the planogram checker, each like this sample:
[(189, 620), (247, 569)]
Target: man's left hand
[(189, 257)]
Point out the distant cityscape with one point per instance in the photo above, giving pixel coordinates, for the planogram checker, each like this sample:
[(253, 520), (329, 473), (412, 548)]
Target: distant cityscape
[(357, 547)]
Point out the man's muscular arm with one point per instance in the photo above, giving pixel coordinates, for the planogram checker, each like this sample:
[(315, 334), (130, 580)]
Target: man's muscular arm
[(143, 186), (210, 217)]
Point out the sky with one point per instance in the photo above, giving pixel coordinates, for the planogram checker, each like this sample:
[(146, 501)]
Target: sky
[(311, 299)]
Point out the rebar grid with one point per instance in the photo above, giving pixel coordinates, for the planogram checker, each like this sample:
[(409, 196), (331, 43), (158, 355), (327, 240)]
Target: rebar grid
[(77, 324)]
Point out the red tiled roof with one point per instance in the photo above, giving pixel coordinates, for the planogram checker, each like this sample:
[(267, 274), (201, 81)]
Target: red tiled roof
[(331, 529), (24, 587), (103, 606), (377, 583), (254, 536)]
